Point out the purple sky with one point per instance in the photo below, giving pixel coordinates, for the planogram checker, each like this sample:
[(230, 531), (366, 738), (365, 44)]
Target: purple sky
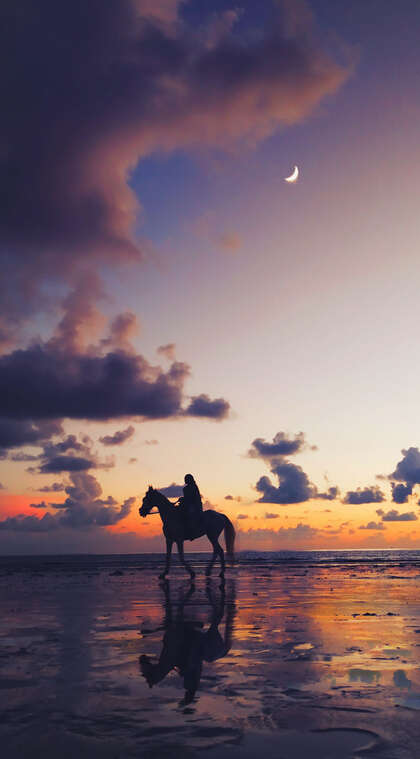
[(170, 304)]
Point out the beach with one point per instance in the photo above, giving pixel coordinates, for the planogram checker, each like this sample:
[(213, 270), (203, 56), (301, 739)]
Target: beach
[(293, 658)]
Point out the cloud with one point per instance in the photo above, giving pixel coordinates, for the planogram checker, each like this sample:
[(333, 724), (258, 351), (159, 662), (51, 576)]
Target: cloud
[(119, 437), (203, 406), (372, 526), (293, 483), (270, 515), (58, 464), (233, 498), (15, 433), (401, 492), (2, 487), (172, 491), (138, 79), (408, 469), (332, 493), (56, 487), (65, 378), (40, 505), (282, 445), (242, 516), (168, 351), (83, 508), (394, 516), (69, 455), (22, 523), (365, 495), (293, 487), (22, 457), (151, 442), (285, 537)]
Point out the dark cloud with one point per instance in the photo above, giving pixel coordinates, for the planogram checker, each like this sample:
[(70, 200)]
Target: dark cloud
[(233, 498), (282, 445), (270, 515), (242, 516), (119, 437), (203, 406), (172, 491), (365, 495), (83, 508), (406, 475), (23, 457), (57, 464), (332, 493), (293, 483), (56, 487), (408, 469), (394, 516), (401, 492), (42, 382), (372, 526), (70, 455), (15, 433), (89, 88), (49, 382), (293, 487), (40, 505), (24, 523)]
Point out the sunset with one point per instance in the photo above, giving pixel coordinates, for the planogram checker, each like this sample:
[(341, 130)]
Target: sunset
[(209, 308)]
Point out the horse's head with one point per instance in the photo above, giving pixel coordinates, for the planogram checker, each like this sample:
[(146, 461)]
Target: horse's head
[(148, 502)]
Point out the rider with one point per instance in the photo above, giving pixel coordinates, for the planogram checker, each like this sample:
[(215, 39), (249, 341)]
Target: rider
[(192, 507)]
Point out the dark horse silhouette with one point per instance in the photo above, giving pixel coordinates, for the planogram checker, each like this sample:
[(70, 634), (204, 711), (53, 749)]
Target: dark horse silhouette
[(186, 645), (174, 530)]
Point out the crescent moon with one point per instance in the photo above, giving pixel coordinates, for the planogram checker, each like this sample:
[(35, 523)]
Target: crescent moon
[(293, 177)]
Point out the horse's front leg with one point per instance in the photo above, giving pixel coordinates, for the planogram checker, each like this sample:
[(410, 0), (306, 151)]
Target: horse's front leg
[(168, 559), (211, 562), (188, 567)]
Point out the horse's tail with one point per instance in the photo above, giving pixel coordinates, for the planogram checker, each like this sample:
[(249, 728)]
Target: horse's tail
[(230, 539)]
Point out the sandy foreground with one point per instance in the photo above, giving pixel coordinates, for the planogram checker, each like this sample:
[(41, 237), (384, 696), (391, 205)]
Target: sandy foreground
[(283, 661)]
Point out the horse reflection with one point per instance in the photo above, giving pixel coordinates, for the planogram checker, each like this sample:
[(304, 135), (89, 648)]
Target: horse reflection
[(186, 645)]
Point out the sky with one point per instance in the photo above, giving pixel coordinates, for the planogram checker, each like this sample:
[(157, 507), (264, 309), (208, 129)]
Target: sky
[(169, 304)]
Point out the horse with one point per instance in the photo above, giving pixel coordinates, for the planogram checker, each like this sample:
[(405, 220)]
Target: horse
[(213, 522)]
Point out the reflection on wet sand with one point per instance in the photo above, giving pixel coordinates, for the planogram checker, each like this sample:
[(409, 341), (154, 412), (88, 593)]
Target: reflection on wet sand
[(185, 644), (294, 661)]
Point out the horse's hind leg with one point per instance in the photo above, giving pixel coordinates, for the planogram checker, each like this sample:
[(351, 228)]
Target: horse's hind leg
[(217, 551), (221, 553), (187, 566)]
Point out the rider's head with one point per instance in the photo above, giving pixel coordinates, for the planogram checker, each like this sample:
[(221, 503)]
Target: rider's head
[(189, 479)]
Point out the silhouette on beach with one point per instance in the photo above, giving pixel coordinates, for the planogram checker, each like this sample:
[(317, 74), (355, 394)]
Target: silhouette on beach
[(185, 645), (182, 521), (191, 508)]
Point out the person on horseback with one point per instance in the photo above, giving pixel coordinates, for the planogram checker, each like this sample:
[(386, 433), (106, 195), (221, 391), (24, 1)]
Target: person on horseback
[(192, 508)]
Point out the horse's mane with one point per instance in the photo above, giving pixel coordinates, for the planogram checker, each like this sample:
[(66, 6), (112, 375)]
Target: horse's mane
[(163, 497)]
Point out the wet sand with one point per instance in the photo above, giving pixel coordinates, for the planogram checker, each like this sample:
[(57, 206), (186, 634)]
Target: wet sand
[(288, 661)]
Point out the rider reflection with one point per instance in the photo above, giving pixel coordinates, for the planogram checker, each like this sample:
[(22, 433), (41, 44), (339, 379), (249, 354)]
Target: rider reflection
[(186, 644)]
